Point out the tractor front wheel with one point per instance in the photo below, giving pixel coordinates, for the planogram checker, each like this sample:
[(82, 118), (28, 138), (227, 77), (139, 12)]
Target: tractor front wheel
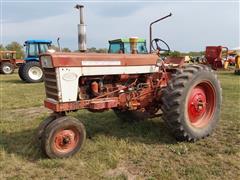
[(63, 137), (191, 103), (7, 68)]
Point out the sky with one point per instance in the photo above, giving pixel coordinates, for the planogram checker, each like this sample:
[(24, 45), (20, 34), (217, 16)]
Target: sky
[(193, 26)]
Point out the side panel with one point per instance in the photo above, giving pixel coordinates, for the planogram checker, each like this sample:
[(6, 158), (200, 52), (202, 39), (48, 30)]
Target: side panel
[(67, 78), (91, 71), (68, 83)]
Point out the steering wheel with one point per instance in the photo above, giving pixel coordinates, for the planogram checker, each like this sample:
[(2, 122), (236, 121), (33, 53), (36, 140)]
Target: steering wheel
[(155, 44)]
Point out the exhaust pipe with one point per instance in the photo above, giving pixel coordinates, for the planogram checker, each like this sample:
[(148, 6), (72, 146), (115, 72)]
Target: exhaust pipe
[(82, 44), (59, 47)]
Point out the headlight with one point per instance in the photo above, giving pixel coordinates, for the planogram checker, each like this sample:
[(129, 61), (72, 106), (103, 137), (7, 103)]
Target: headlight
[(46, 61)]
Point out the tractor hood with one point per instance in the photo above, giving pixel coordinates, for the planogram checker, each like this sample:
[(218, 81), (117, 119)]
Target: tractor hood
[(60, 59)]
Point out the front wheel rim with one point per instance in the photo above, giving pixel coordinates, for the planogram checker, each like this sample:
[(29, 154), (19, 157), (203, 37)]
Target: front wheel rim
[(201, 104), (35, 73), (66, 140)]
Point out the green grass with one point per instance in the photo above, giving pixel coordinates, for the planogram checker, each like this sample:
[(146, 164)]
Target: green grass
[(116, 150)]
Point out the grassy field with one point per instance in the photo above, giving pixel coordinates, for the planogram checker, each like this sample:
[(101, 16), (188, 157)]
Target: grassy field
[(116, 150)]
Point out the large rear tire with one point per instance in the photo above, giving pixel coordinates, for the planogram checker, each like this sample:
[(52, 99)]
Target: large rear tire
[(6, 68), (191, 103), (31, 72), (63, 137), (20, 71)]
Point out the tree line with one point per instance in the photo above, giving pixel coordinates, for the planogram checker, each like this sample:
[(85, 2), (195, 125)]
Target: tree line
[(15, 46)]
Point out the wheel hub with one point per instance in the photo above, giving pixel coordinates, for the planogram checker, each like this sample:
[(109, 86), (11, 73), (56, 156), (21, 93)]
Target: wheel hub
[(201, 102), (198, 101), (35, 73), (66, 140)]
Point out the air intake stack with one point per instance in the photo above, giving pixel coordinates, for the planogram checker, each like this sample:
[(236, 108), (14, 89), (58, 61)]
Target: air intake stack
[(82, 45)]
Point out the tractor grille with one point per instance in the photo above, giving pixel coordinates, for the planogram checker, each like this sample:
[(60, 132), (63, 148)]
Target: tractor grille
[(51, 83)]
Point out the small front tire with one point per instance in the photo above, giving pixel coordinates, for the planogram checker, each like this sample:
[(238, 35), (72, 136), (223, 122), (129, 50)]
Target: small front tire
[(63, 137)]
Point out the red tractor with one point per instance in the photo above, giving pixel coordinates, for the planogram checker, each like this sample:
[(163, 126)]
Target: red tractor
[(215, 56), (9, 62), (135, 86)]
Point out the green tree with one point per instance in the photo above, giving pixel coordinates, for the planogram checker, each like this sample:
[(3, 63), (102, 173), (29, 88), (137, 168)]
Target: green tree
[(2, 48), (92, 49), (102, 50), (175, 54), (15, 46), (66, 50)]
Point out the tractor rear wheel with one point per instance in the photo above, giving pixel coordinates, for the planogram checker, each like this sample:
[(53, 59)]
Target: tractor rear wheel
[(191, 102), (20, 71), (7, 68), (63, 137), (131, 116), (32, 72)]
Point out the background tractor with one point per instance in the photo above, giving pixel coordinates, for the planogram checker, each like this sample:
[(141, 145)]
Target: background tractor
[(215, 56), (8, 62), (30, 71), (237, 63), (134, 85), (124, 46)]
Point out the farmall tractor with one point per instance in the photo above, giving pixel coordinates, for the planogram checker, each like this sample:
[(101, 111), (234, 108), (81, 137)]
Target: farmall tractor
[(135, 86)]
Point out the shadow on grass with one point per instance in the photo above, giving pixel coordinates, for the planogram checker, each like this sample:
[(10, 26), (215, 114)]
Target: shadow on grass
[(15, 81), (22, 143), (227, 73), (151, 131), (107, 123)]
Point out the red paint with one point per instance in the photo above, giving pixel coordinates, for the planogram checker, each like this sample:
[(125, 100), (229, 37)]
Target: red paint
[(75, 59), (214, 56), (66, 140), (201, 103)]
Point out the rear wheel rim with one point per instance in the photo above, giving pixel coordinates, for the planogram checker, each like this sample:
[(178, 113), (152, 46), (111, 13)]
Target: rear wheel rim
[(35, 73), (7, 69), (201, 104), (66, 140)]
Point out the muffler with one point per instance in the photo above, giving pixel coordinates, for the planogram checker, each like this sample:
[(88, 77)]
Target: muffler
[(82, 40)]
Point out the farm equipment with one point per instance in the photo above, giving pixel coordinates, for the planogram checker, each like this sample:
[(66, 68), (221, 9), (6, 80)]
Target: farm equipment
[(9, 62), (124, 46), (237, 63), (30, 71), (215, 56), (135, 86)]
